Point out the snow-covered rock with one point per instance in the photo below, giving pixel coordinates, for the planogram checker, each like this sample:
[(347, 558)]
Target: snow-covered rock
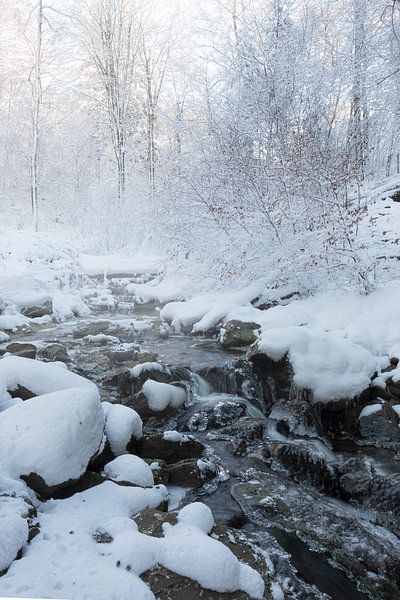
[(128, 467), (81, 569), (14, 529), (330, 366), (161, 395), (37, 377), (123, 427), (49, 440)]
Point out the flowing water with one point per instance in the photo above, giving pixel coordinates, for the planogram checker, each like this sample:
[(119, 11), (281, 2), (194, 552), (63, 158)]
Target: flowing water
[(298, 557)]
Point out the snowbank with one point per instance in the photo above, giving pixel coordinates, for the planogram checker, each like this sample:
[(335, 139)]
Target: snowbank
[(53, 436), (205, 311), (161, 395)]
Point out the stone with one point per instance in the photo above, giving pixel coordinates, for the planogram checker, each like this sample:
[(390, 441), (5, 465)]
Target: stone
[(22, 349), (381, 428), (186, 473), (222, 414), (33, 312), (238, 333), (167, 585), (155, 446), (54, 352)]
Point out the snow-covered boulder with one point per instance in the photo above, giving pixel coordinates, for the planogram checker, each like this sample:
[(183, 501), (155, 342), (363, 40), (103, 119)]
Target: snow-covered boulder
[(329, 365), (123, 427), (163, 395), (37, 377), (49, 440), (238, 333), (379, 424), (131, 469), (14, 529)]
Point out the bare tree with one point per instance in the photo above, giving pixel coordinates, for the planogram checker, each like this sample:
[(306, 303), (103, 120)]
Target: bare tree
[(154, 62), (111, 31), (37, 96)]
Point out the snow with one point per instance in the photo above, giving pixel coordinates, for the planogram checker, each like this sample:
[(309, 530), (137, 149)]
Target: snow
[(197, 514), (205, 311), (14, 529), (14, 322), (4, 337), (161, 395), (38, 377), (67, 305), (95, 265), (130, 468), (176, 436), (188, 551), (331, 367), (122, 423), (54, 435), (101, 338), (371, 409), (396, 408), (166, 290), (64, 560), (137, 370)]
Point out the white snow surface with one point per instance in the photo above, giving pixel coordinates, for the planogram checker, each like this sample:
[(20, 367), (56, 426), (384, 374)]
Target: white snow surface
[(54, 435), (331, 367), (13, 529), (354, 329), (371, 409), (128, 467), (64, 560), (176, 436), (137, 370), (122, 423), (161, 395), (38, 377)]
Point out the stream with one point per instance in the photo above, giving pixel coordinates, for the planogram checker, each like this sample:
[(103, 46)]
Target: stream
[(321, 546)]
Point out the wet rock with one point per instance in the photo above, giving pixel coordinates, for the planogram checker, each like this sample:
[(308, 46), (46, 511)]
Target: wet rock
[(167, 585), (128, 385), (222, 414), (238, 333), (54, 352), (62, 490), (186, 473), (306, 463), (20, 349), (328, 529), (104, 456), (246, 428), (160, 470), (381, 428), (131, 355), (157, 446), (38, 311), (236, 378)]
